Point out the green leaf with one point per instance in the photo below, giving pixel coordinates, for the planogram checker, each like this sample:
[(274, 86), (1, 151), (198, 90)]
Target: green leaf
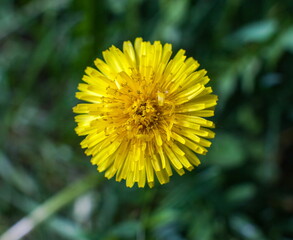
[(243, 226), (226, 151), (255, 32), (241, 192), (126, 229)]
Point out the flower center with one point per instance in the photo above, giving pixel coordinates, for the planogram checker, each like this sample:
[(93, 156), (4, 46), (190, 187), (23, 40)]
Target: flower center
[(144, 114)]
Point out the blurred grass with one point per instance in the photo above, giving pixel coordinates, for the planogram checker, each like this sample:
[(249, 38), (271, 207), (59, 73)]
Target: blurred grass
[(243, 189)]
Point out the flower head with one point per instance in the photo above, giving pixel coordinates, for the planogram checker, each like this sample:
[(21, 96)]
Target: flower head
[(145, 113)]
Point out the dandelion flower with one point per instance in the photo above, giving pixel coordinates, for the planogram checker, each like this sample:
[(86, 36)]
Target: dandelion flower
[(145, 113)]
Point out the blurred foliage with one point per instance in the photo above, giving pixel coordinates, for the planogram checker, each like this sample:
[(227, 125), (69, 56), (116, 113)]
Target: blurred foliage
[(244, 187)]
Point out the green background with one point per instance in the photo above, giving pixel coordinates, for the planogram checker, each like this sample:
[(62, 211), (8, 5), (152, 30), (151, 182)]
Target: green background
[(244, 187)]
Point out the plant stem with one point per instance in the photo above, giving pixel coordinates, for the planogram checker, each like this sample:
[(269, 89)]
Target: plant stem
[(50, 207)]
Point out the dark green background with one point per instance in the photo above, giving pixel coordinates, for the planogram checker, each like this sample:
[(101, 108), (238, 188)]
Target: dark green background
[(244, 187)]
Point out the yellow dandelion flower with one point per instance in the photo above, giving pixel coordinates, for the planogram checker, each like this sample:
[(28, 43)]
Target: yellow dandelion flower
[(145, 113)]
